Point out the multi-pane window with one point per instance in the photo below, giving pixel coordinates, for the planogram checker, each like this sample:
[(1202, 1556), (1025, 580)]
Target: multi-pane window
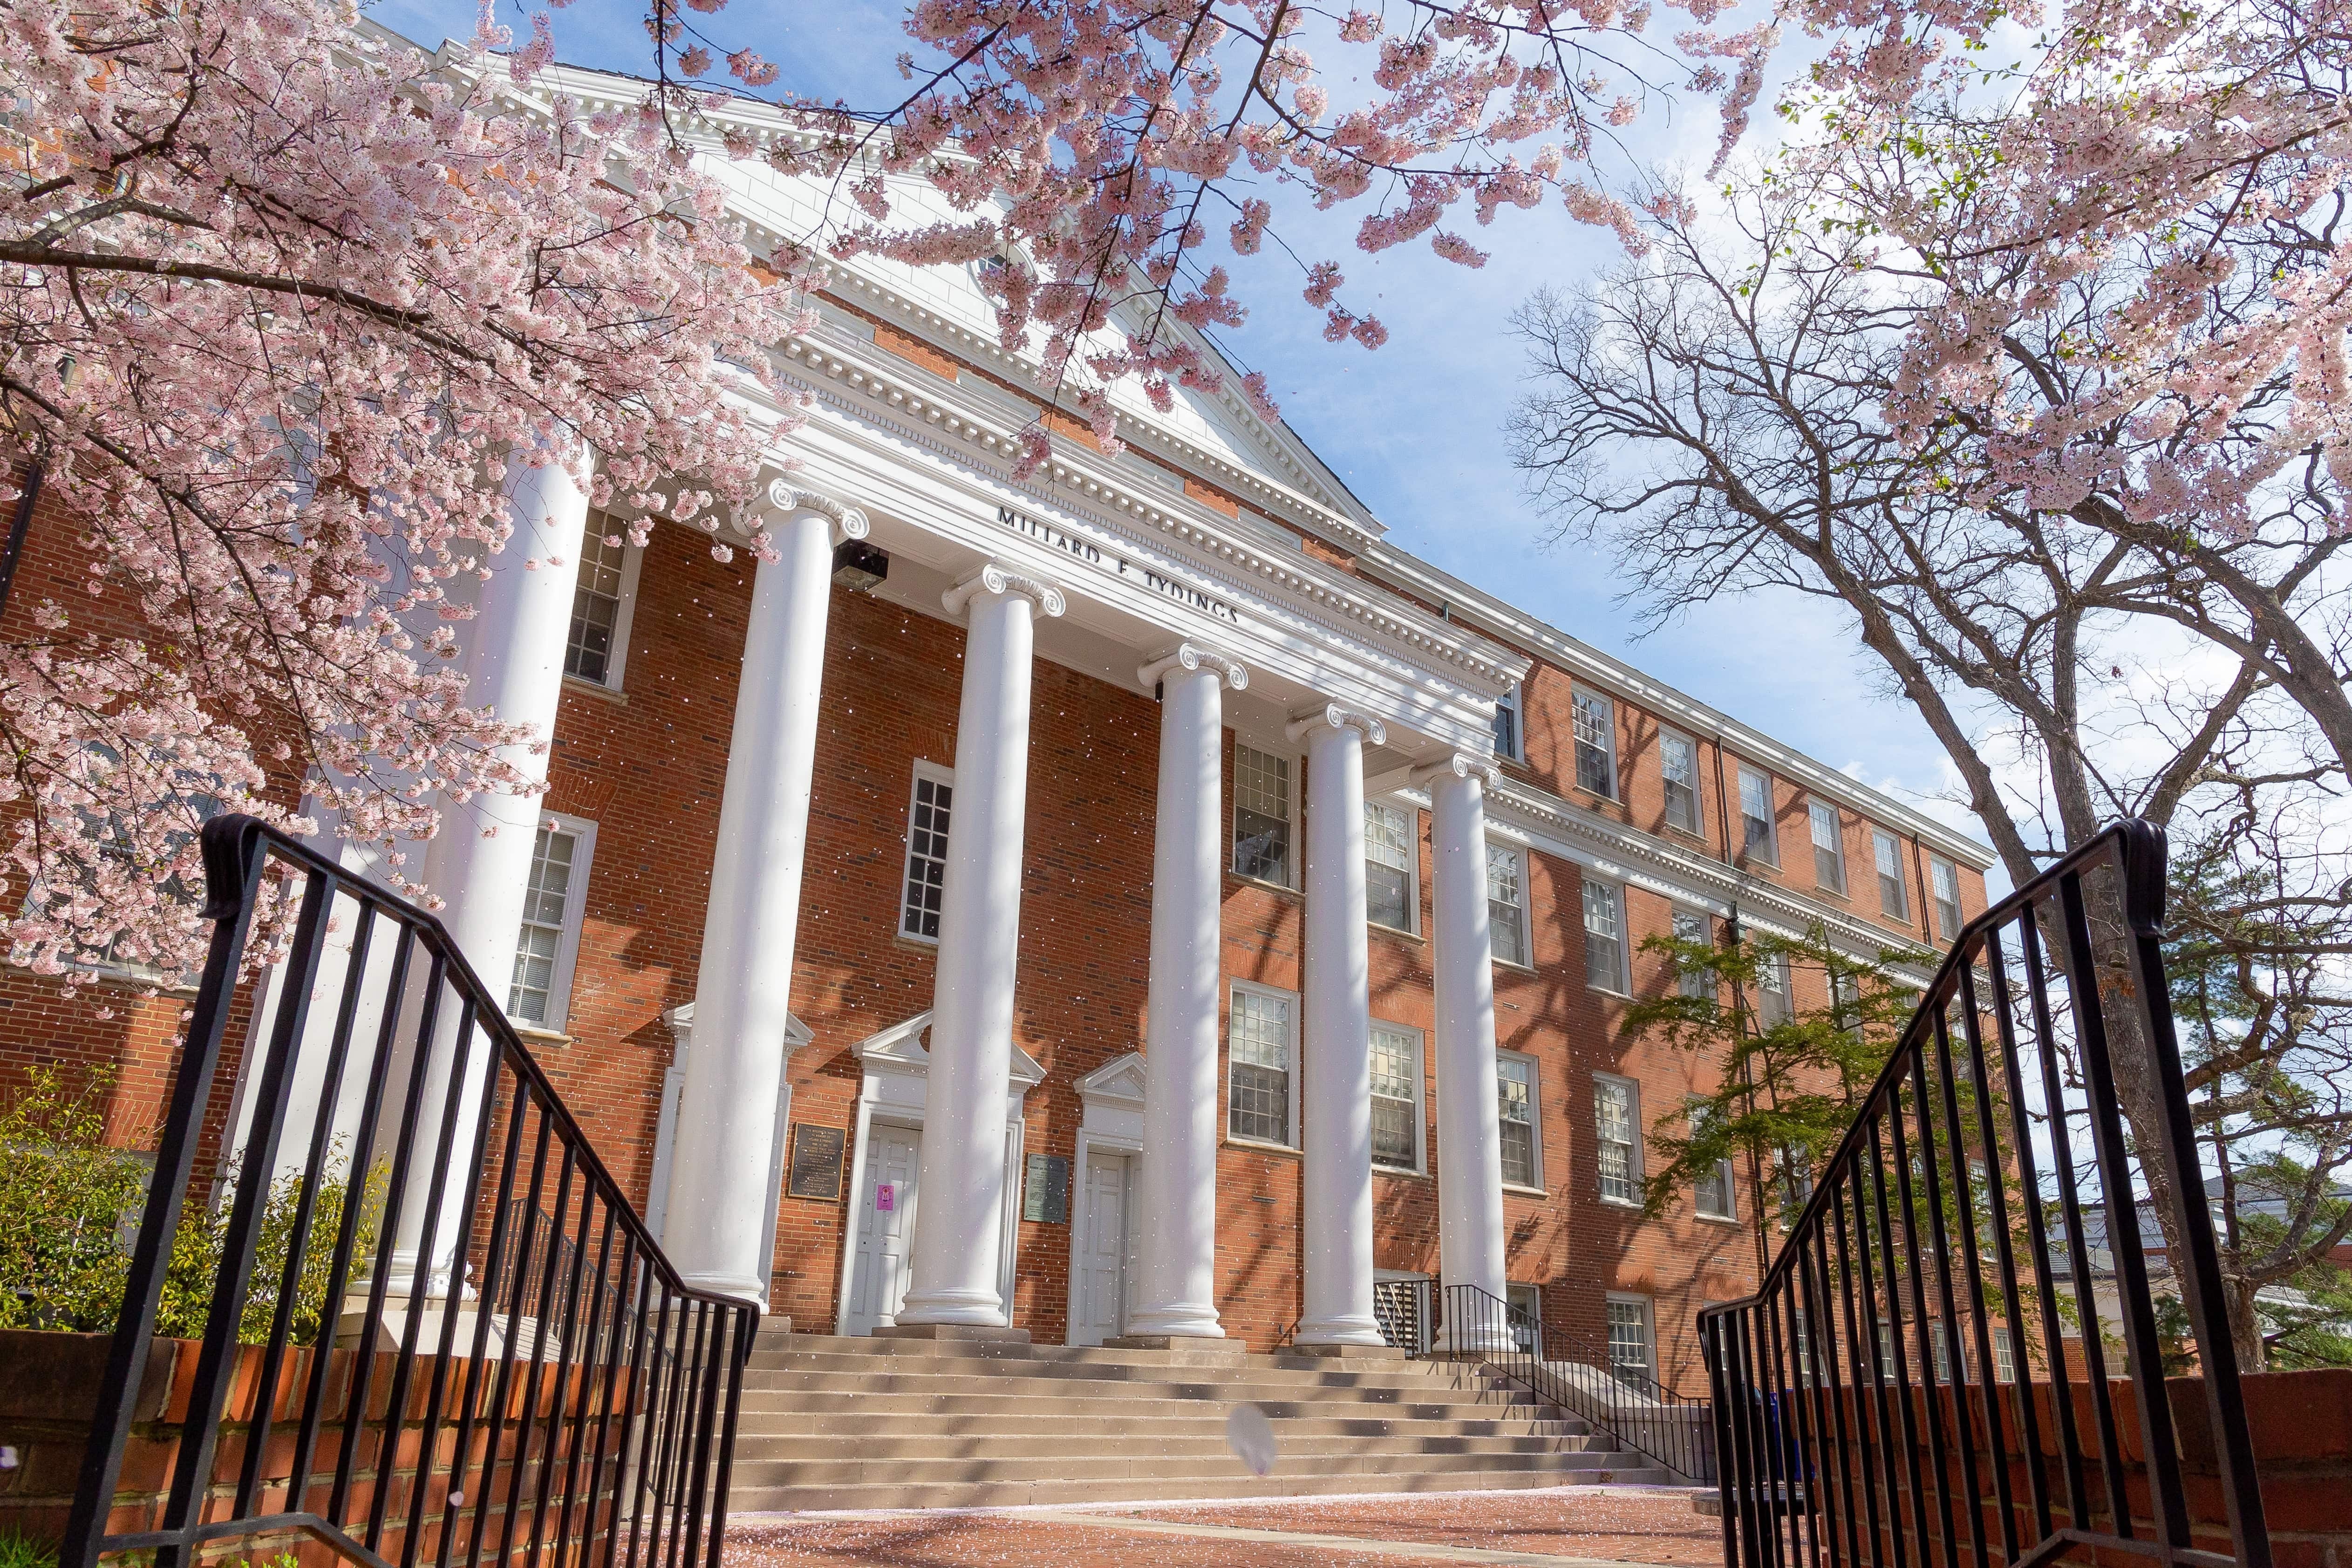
[(1845, 1002), (1261, 815), (1889, 1364), (1396, 1097), (1507, 904), (1829, 847), (1947, 879), (1506, 723), (1604, 935), (927, 854), (2004, 1357), (1714, 1192), (1893, 895), (1628, 1338), (1773, 1003), (1690, 929), (592, 652), (1616, 1114), (1388, 846), (1515, 1107), (1596, 744), (534, 995), (1678, 770), (1258, 1091), (1939, 1345), (1756, 837)]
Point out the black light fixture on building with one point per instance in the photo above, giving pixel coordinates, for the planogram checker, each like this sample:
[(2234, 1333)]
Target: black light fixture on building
[(859, 565)]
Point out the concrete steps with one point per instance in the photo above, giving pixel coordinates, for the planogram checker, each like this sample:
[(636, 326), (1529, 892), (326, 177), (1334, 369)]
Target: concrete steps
[(832, 1423)]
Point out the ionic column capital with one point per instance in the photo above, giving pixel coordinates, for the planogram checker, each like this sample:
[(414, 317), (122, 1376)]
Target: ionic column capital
[(1460, 765), (998, 578), (1193, 656), (848, 523), (1330, 715)]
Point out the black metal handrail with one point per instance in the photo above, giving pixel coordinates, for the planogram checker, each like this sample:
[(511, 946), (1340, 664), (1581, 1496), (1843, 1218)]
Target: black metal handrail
[(478, 1387), (1917, 1351), (1640, 1414)]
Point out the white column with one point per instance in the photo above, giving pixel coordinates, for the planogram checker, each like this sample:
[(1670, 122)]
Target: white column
[(712, 1227), (480, 861), (1176, 1288), (959, 1227), (1337, 1049), (1469, 1136)]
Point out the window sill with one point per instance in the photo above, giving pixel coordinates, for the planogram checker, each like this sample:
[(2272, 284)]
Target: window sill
[(1284, 888), (1757, 863), (1376, 928), (1257, 1147), (1607, 1201), (1692, 834), (114, 977), (1514, 966), (1732, 1220), (1400, 1173), (539, 1035), (596, 689), (1585, 796), (1839, 894), (930, 944), (1609, 991), (1512, 1189)]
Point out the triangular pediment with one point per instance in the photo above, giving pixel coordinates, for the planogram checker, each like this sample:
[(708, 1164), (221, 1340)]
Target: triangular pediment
[(796, 1034), (1121, 1079), (901, 1048)]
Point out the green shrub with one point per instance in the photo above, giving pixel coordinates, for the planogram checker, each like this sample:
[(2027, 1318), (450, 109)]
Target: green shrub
[(18, 1550), (69, 1205)]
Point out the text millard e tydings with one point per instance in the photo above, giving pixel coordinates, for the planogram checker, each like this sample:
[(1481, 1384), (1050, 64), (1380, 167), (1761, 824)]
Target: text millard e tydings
[(1095, 555)]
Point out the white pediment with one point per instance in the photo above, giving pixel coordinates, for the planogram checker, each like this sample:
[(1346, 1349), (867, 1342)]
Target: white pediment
[(681, 1028), (1119, 1079), (901, 1048)]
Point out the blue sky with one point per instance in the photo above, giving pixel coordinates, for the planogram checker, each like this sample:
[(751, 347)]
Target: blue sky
[(1415, 428)]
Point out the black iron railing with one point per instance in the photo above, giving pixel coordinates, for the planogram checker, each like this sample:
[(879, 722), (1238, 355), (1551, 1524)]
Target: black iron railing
[(437, 1381), (1934, 1363), (1635, 1411)]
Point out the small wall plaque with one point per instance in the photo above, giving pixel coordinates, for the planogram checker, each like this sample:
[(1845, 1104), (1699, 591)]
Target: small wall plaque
[(1046, 1194), (816, 1162)]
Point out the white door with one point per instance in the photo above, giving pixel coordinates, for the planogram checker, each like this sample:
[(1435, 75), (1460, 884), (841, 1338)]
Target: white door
[(1102, 1265), (885, 1228)]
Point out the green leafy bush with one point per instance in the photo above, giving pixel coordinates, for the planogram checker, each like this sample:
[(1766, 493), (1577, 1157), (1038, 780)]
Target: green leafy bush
[(69, 1204)]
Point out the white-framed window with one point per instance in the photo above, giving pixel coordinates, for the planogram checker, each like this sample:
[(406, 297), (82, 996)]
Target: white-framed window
[(2004, 1357), (1893, 892), (1508, 738), (1691, 927), (1774, 1004), (1617, 1137), (603, 599), (1828, 845), (930, 808), (1889, 1361), (1714, 1196), (1391, 865), (1262, 1051), (1757, 839), (1633, 1347), (1596, 743), (1678, 772), (1845, 1002), (547, 947), (1263, 804), (1604, 935), (1939, 1345), (1947, 879), (1506, 903), (1396, 1120), (1516, 1105)]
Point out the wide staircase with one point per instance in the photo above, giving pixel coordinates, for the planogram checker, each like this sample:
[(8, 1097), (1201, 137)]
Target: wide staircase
[(836, 1423)]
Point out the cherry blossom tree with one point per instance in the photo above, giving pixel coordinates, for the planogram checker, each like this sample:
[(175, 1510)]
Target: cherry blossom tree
[(280, 300), (1091, 157)]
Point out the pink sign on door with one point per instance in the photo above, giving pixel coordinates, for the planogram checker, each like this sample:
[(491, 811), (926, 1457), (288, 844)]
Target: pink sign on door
[(886, 1196)]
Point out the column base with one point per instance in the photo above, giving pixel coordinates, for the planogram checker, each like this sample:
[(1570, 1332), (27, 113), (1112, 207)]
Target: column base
[(1352, 1329), (1175, 1322), (753, 1291), (984, 1334), (1350, 1352)]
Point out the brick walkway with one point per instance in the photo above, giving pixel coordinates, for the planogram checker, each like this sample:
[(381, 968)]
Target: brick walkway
[(1569, 1527)]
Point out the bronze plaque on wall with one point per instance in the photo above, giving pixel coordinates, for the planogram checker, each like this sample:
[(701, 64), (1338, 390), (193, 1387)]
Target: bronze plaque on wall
[(816, 1162)]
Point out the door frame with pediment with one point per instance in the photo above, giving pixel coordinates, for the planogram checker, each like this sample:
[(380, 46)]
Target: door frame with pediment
[(1112, 1123)]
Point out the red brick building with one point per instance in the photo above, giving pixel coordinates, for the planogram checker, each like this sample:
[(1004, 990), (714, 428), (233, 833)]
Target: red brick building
[(1615, 808)]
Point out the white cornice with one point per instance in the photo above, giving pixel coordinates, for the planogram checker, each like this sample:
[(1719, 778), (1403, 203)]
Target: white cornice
[(834, 372), (1483, 610), (1673, 871)]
